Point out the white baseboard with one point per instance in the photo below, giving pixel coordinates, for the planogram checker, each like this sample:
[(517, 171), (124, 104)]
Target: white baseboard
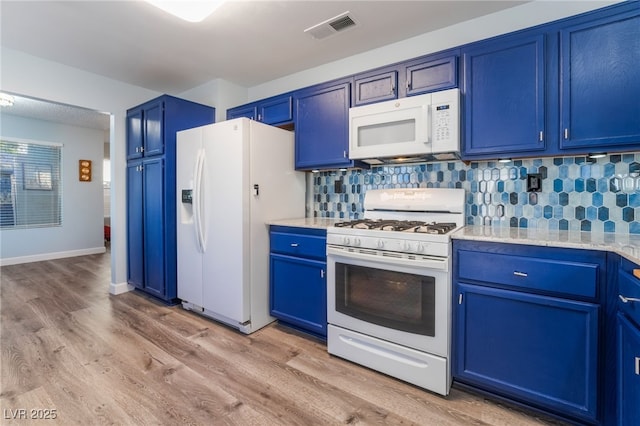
[(51, 256), (120, 288)]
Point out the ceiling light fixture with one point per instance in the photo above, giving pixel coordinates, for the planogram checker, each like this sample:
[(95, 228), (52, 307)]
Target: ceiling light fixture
[(6, 100), (189, 10)]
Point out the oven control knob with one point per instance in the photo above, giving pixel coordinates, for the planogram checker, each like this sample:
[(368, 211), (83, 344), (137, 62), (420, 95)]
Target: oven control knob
[(407, 246), (356, 242), (346, 241), (420, 248), (380, 243)]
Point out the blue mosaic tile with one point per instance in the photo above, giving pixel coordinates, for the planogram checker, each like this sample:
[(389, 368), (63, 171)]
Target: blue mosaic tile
[(590, 195)]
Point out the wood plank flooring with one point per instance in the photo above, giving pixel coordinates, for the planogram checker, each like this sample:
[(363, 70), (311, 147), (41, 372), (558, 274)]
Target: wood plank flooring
[(70, 350)]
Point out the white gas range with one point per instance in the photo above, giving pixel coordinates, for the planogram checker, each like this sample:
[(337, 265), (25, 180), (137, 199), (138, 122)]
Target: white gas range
[(389, 284)]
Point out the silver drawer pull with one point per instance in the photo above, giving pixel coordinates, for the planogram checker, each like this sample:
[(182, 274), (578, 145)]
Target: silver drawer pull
[(520, 274), (294, 244), (638, 365), (628, 299)]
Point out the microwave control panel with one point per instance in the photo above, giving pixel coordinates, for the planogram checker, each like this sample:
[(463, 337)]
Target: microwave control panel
[(442, 121), (445, 123)]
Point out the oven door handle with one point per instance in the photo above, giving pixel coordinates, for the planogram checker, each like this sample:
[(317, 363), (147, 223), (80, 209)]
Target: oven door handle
[(424, 261)]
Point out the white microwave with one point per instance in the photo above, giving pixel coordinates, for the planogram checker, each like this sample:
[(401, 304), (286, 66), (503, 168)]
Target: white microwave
[(417, 128)]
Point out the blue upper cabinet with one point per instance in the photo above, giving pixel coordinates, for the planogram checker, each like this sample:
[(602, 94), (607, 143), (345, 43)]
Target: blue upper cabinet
[(429, 74), (569, 87), (376, 86), (322, 126), (276, 111), (249, 111), (145, 130), (422, 75), (504, 97), (600, 83)]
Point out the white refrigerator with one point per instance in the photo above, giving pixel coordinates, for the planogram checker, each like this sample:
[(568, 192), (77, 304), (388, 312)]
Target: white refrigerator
[(233, 177)]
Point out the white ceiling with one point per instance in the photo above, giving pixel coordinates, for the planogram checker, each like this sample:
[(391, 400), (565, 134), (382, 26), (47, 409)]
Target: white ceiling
[(244, 42), (41, 109)]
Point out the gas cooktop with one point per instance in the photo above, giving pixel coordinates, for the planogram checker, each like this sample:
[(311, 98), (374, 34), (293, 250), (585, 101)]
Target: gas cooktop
[(399, 225)]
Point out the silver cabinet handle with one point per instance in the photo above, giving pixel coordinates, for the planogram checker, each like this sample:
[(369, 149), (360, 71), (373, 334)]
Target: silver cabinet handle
[(294, 244), (638, 365), (520, 274), (628, 299), (321, 273), (566, 133)]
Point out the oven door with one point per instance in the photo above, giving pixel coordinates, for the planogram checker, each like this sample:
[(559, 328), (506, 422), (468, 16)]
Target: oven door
[(404, 301)]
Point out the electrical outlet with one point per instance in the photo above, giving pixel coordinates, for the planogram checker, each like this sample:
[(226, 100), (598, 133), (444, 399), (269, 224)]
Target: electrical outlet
[(337, 186), (534, 182)]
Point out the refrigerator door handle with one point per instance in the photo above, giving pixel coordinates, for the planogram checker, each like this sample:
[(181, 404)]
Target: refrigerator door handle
[(197, 200)]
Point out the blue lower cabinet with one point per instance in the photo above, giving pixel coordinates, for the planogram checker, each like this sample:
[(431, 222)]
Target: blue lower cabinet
[(529, 326), (628, 372), (538, 350), (628, 343), (298, 290)]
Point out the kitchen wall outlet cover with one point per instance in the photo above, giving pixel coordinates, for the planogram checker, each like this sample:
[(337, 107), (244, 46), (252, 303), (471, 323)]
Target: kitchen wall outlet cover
[(337, 186), (534, 182)]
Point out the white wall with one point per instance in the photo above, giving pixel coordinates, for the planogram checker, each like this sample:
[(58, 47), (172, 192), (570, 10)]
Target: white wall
[(82, 206), (39, 78), (220, 93)]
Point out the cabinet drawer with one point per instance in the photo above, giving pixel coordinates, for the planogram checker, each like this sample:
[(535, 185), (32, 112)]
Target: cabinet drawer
[(298, 244), (629, 288), (548, 275)]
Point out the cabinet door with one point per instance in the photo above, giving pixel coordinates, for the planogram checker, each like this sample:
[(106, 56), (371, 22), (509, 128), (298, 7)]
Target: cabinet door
[(600, 84), (134, 134), (628, 372), (322, 127), (381, 86), (298, 292), (248, 111), (504, 98), (153, 122), (539, 350), (276, 111), (429, 75), (154, 226), (135, 228)]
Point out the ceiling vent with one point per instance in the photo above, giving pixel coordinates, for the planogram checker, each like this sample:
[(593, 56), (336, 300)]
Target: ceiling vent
[(331, 26)]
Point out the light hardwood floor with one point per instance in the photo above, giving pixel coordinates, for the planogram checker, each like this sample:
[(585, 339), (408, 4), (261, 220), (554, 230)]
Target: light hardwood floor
[(91, 358)]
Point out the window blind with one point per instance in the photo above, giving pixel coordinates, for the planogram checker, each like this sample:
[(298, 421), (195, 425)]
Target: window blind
[(30, 184)]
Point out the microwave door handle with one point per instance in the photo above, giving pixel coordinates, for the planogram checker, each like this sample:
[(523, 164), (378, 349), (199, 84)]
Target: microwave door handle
[(428, 122)]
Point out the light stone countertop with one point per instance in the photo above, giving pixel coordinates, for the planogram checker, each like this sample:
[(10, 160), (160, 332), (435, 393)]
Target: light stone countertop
[(307, 222), (626, 245)]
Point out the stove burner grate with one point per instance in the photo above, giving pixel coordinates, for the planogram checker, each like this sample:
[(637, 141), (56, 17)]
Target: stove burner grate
[(435, 228), (399, 225)]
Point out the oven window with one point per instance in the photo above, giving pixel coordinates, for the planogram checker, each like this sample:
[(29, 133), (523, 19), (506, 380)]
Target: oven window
[(390, 299)]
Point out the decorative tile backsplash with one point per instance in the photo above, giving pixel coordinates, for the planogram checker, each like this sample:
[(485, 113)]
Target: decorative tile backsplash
[(577, 193)]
